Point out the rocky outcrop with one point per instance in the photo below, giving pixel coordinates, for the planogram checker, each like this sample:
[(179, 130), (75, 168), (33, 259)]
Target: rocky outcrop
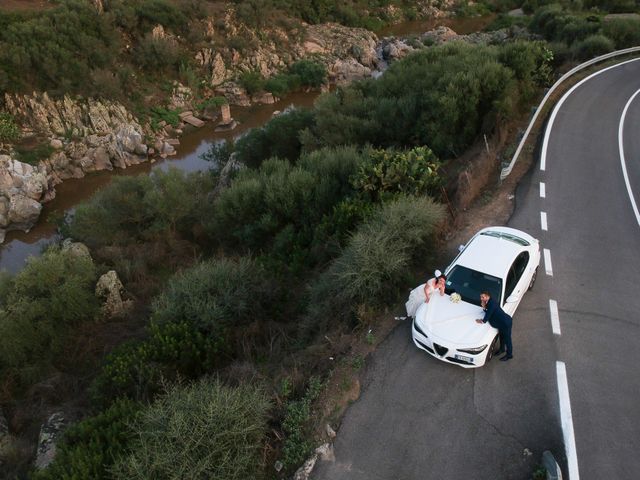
[(49, 434), (110, 289), (22, 188)]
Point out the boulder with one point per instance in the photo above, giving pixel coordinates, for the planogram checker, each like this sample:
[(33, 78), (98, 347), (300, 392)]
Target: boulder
[(56, 143), (76, 249), (110, 288), (191, 120), (49, 434)]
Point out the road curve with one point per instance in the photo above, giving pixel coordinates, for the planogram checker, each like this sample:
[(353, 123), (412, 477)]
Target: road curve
[(593, 238), (418, 418)]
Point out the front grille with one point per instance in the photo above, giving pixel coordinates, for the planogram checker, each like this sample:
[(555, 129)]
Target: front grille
[(442, 351), (428, 349)]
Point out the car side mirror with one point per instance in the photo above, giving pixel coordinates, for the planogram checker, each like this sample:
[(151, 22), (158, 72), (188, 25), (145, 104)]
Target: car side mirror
[(513, 298), (461, 248)]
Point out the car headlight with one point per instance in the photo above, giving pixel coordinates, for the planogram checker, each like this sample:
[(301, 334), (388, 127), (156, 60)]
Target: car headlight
[(473, 351)]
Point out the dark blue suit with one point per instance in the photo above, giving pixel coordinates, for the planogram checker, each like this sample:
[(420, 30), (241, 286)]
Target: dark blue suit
[(499, 319)]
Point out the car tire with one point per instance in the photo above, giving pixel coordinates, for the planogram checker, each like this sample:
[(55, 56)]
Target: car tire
[(492, 348), (533, 279)]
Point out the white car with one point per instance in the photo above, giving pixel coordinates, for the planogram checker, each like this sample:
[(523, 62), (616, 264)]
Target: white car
[(501, 260)]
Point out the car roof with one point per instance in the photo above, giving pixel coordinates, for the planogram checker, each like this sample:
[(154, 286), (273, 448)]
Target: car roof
[(490, 254)]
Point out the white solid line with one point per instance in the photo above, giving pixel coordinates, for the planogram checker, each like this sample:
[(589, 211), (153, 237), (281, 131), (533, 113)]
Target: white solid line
[(543, 192), (554, 113), (622, 160), (547, 262), (555, 318), (567, 422), (543, 221)]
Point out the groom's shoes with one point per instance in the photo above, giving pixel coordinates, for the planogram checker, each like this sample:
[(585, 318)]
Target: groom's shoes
[(506, 357)]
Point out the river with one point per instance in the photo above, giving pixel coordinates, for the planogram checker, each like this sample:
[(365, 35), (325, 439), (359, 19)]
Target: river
[(19, 246)]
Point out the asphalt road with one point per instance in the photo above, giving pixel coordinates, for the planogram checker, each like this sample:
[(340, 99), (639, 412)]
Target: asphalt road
[(419, 418)]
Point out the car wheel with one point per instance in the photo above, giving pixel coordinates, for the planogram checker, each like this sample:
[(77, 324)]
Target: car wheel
[(533, 279), (492, 349)]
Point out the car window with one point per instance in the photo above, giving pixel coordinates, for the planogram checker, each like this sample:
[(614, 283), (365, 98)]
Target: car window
[(471, 283), (515, 273)]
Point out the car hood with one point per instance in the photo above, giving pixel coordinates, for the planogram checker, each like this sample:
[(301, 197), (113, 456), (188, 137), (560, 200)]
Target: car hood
[(453, 323)]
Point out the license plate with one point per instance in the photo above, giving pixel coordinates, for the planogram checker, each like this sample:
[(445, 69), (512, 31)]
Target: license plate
[(462, 357)]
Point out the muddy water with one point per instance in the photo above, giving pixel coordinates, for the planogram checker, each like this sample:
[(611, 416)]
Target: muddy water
[(19, 246), (462, 26)]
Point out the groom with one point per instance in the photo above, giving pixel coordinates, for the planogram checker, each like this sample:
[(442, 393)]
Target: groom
[(499, 319)]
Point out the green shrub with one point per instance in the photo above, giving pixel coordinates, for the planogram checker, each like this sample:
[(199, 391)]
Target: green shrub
[(205, 430), (388, 172), (41, 306), (159, 54), (377, 258), (194, 324), (159, 114), (624, 32), (9, 130), (89, 448), (279, 137), (153, 12), (298, 442), (157, 207), (276, 208), (33, 155), (252, 82), (592, 46), (311, 74), (280, 85)]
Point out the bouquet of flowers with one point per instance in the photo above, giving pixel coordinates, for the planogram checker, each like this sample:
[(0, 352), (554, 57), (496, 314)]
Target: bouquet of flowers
[(455, 297)]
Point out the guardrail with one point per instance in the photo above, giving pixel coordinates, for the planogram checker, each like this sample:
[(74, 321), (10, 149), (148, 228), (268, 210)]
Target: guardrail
[(507, 170)]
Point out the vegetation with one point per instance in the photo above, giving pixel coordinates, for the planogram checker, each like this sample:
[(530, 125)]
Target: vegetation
[(90, 448), (39, 308), (205, 430), (9, 130)]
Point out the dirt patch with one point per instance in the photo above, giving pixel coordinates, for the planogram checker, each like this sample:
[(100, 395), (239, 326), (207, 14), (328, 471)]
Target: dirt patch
[(25, 5)]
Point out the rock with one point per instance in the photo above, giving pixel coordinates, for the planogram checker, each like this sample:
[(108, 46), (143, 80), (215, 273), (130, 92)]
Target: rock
[(226, 174), (49, 434), (325, 452), (191, 120), (101, 160), (219, 72), (23, 212), (235, 94), (330, 431), (167, 150), (110, 288), (225, 127), (55, 143), (76, 249), (186, 114), (346, 71), (394, 49), (173, 141), (265, 98)]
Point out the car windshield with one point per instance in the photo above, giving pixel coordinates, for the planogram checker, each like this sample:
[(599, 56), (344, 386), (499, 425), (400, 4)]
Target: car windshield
[(470, 284)]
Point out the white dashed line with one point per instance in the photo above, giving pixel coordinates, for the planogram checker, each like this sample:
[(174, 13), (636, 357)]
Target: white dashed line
[(547, 262), (543, 192), (555, 318), (567, 422), (543, 221), (622, 159)]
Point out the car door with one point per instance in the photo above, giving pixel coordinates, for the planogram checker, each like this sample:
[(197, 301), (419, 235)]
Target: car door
[(517, 282)]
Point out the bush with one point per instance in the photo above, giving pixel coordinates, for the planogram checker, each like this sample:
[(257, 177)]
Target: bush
[(442, 97), (388, 172), (194, 326), (9, 130), (205, 430), (159, 54), (157, 207), (311, 74), (623, 32), (276, 209), (33, 155), (89, 448), (592, 46), (377, 258), (40, 307), (279, 137), (252, 82)]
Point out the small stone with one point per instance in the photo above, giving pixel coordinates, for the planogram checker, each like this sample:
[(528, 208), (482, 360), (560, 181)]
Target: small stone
[(527, 453), (49, 433), (55, 143), (278, 465), (331, 433)]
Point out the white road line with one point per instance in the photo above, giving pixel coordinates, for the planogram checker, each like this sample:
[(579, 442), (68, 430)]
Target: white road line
[(554, 113), (622, 160), (543, 192), (555, 318), (567, 422), (543, 221), (547, 262)]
